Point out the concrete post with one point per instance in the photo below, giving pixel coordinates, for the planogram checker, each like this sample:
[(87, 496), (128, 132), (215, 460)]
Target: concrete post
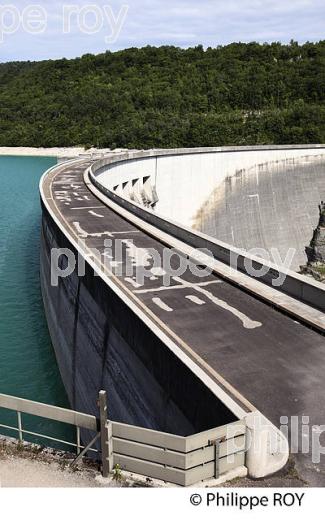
[(267, 448), (106, 437)]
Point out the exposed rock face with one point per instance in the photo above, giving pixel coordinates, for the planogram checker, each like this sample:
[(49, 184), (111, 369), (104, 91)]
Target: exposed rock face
[(316, 250)]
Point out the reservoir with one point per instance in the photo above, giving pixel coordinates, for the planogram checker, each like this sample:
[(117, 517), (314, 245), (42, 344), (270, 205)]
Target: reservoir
[(28, 367)]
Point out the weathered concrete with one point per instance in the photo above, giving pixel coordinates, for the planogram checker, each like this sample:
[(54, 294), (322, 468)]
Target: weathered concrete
[(299, 296), (258, 197), (211, 338), (135, 195), (101, 343), (33, 466)]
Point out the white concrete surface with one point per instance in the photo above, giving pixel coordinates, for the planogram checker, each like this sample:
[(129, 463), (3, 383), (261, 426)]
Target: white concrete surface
[(18, 472), (267, 447), (271, 206), (292, 305)]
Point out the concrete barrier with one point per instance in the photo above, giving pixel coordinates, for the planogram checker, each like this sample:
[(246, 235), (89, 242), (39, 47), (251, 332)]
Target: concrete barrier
[(189, 375), (177, 459), (296, 286), (267, 447)]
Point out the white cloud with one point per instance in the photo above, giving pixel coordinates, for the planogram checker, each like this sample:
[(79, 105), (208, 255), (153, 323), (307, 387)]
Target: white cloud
[(179, 22)]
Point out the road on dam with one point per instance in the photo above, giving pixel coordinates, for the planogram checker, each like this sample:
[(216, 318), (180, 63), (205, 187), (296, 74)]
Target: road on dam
[(274, 362)]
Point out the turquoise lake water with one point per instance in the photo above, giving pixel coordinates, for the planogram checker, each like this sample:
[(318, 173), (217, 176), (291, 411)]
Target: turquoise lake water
[(28, 366)]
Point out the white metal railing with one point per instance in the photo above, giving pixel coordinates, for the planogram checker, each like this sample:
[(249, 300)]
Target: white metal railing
[(77, 419), (172, 458)]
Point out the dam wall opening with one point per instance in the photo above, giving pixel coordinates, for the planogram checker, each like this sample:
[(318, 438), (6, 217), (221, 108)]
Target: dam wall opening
[(248, 198)]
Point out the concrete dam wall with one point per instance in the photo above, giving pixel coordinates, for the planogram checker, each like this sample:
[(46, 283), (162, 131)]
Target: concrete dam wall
[(188, 356), (249, 198), (101, 344)]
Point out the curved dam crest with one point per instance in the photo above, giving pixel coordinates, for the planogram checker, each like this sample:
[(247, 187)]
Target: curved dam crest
[(250, 198), (177, 358), (99, 341)]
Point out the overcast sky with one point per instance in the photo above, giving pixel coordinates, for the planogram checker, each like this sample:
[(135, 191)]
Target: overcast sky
[(136, 23)]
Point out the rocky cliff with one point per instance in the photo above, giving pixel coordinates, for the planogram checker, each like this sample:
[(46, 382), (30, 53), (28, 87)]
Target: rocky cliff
[(316, 250)]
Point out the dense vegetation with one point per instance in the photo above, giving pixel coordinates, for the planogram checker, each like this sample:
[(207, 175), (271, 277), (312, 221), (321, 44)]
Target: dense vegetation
[(162, 97)]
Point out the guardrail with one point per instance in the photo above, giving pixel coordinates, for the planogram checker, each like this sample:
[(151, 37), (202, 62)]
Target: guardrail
[(54, 413), (307, 291), (179, 460)]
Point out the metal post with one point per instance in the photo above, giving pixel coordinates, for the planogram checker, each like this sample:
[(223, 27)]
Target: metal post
[(216, 459), (110, 446), (216, 444), (20, 428), (105, 436), (78, 440), (84, 451)]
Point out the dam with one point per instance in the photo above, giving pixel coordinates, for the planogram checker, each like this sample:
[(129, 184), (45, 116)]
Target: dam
[(259, 198), (199, 353)]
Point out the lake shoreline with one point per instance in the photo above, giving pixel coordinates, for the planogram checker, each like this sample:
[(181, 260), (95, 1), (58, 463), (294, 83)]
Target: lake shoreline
[(59, 152)]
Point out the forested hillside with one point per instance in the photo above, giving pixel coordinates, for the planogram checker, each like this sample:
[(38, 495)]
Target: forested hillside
[(168, 97)]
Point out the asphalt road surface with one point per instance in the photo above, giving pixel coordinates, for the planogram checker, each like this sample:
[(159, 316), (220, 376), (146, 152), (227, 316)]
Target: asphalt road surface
[(275, 362)]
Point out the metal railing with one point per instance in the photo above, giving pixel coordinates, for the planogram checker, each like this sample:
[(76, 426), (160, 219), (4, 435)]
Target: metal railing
[(63, 415), (180, 460), (172, 458)]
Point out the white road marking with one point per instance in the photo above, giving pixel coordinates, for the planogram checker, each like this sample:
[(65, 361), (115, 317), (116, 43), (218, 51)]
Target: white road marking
[(96, 214), (82, 198), (211, 282), (62, 196), (132, 282), (246, 321), (65, 182), (124, 232), (172, 287), (115, 264), (83, 234), (140, 256), (162, 305), (88, 207), (195, 299)]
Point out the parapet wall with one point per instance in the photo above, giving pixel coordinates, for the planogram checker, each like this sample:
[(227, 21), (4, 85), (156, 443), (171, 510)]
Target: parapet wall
[(247, 197), (104, 339), (184, 180), (166, 187)]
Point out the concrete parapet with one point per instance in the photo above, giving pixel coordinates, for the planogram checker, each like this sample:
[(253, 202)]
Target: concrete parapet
[(294, 285), (267, 447)]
